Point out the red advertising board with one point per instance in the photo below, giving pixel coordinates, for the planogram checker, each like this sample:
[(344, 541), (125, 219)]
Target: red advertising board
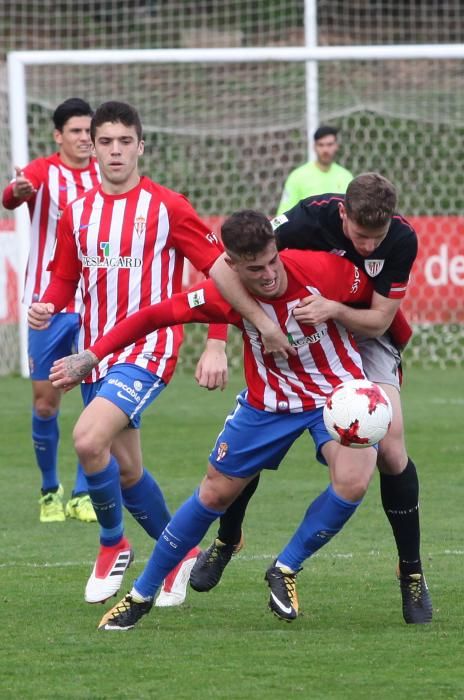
[(8, 274), (436, 291), (435, 295)]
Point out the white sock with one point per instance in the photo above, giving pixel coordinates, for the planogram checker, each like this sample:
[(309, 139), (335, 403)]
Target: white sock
[(286, 569), (137, 597)]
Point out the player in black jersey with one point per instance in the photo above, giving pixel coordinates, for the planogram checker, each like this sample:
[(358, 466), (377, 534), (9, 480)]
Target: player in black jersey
[(362, 226)]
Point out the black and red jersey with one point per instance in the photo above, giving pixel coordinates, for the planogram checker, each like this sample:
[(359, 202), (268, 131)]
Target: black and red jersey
[(315, 224)]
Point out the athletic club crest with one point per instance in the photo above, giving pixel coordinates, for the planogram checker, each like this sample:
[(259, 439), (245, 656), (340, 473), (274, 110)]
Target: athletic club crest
[(373, 267), (140, 226)]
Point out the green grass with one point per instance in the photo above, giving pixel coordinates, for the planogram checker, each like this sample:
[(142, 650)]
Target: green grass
[(350, 640)]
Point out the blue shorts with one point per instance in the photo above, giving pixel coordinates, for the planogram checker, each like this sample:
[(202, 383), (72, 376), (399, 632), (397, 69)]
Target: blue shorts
[(252, 440), (56, 341), (129, 387)]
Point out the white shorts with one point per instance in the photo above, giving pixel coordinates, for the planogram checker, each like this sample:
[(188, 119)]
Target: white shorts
[(381, 360)]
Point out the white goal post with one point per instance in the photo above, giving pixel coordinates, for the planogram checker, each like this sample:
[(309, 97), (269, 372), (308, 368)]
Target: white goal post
[(310, 55)]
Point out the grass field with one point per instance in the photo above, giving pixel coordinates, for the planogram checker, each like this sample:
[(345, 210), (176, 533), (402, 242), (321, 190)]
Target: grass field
[(349, 641)]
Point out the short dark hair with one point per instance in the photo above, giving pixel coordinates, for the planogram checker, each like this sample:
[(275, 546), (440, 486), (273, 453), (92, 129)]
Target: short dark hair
[(114, 112), (73, 107), (246, 233), (370, 200), (325, 130)]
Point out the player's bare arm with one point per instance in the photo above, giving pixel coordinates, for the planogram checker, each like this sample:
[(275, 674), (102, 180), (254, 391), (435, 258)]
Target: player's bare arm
[(69, 371), (372, 322), (211, 371), (39, 315), (22, 188), (231, 288)]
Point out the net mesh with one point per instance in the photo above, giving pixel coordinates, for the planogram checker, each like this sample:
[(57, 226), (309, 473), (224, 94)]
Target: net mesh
[(227, 135)]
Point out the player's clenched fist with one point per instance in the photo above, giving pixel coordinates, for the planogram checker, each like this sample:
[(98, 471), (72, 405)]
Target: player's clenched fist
[(39, 315)]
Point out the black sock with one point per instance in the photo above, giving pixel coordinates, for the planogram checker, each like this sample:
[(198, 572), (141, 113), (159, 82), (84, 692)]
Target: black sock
[(230, 523), (400, 500)]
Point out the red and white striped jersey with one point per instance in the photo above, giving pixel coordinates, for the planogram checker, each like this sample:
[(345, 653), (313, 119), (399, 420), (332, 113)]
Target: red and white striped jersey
[(326, 353), (127, 251), (57, 185)]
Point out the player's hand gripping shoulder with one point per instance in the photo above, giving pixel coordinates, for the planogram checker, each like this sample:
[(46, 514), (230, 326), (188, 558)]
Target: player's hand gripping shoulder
[(22, 188), (315, 309), (275, 341), (69, 371), (211, 371), (39, 315)]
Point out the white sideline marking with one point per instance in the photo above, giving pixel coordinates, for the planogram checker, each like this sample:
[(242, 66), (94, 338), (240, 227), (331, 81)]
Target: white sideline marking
[(242, 557)]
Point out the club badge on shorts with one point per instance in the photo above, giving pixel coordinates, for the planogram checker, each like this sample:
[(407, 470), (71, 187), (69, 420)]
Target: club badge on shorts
[(222, 451)]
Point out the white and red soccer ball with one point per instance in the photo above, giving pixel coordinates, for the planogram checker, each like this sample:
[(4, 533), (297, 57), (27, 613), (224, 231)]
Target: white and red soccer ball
[(358, 413)]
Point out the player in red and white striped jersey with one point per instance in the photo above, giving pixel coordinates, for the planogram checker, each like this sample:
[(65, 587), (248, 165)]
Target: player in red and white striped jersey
[(284, 398), (364, 227), (126, 252), (54, 182), (47, 185), (124, 244)]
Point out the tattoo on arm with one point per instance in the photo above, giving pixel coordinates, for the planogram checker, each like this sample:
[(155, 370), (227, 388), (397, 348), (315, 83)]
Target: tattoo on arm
[(79, 366)]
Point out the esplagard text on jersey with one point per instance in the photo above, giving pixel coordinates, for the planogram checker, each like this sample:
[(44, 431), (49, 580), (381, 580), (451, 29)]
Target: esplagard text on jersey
[(120, 261)]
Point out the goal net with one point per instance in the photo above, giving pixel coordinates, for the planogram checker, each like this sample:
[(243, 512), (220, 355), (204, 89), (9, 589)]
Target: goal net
[(227, 133)]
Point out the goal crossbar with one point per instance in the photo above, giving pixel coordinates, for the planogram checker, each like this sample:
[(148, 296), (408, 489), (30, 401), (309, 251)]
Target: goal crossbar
[(381, 52)]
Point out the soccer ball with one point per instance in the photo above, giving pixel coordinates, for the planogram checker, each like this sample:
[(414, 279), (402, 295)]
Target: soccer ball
[(357, 413)]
